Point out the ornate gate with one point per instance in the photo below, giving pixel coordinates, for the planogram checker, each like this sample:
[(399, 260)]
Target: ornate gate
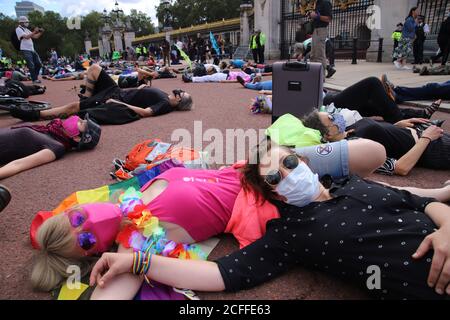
[(435, 12), (349, 21)]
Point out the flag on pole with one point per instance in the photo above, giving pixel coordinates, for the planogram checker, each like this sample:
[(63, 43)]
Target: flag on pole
[(214, 43), (185, 56)]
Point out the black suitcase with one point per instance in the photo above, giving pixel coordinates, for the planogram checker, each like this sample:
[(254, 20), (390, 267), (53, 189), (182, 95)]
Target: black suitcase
[(297, 88)]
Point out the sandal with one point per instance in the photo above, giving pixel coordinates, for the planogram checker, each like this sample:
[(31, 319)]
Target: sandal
[(430, 110), (388, 87)]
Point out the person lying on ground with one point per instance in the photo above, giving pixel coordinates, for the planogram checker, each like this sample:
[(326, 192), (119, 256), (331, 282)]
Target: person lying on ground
[(64, 240), (371, 99), (108, 104), (141, 76), (429, 91), (256, 84), (227, 76), (27, 146), (345, 231), (68, 76), (409, 143)]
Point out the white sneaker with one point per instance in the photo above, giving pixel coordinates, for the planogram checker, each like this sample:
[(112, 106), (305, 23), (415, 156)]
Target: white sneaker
[(406, 68), (397, 64)]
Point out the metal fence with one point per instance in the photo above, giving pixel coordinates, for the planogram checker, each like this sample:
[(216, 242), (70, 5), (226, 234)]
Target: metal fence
[(347, 24), (435, 12)]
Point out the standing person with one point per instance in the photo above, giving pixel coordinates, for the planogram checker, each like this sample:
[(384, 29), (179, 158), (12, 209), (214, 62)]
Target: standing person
[(404, 48), (166, 52), (321, 18), (419, 41), (261, 45), (253, 47), (396, 36), (444, 41), (54, 57), (200, 44), (26, 37)]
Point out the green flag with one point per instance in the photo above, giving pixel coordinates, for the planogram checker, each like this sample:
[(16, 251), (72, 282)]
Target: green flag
[(185, 57)]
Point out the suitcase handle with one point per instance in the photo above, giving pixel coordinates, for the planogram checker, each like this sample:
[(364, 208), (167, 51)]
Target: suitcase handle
[(296, 66)]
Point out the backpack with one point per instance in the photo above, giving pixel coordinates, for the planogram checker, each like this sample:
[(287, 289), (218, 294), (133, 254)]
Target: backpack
[(15, 40), (199, 70), (150, 153)]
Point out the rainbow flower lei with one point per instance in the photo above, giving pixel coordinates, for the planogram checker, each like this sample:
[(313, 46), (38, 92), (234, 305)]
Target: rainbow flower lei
[(146, 235)]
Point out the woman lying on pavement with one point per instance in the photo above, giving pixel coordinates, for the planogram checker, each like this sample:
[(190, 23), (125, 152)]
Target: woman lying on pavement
[(108, 104), (214, 213), (408, 143), (348, 230), (370, 98), (27, 146)]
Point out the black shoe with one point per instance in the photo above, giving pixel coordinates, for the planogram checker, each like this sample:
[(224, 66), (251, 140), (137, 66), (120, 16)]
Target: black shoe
[(331, 72), (241, 80), (25, 115), (186, 78), (5, 197)]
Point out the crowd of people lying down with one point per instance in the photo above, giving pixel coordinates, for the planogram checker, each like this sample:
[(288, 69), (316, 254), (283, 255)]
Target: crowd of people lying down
[(286, 205)]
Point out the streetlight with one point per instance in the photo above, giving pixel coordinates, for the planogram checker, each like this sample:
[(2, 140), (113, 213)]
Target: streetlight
[(167, 16)]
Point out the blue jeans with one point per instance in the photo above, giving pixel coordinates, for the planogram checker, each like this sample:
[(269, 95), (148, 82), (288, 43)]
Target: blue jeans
[(34, 63), (264, 85), (430, 91)]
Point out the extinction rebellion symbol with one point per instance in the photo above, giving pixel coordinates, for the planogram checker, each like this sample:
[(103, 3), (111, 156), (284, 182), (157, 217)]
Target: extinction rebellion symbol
[(324, 150)]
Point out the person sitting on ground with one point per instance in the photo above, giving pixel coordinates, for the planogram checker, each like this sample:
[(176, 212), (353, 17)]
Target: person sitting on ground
[(5, 197), (27, 146), (342, 230), (429, 91), (108, 104), (408, 143)]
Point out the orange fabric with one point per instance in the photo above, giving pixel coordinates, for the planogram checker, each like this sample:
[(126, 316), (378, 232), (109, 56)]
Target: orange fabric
[(249, 218)]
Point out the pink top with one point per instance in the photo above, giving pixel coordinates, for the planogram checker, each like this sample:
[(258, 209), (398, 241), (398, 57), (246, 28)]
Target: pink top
[(200, 201), (234, 74)]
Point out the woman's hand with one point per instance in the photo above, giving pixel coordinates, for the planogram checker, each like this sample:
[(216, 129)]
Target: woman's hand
[(439, 241), (109, 266), (409, 123), (433, 133)]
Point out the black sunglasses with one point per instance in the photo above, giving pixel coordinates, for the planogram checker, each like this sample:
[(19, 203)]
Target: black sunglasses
[(274, 177)]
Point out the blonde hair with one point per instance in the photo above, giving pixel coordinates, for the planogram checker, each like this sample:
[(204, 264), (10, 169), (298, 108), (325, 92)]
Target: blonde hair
[(57, 252)]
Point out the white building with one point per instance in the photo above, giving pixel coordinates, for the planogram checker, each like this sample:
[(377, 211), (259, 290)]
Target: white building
[(23, 8)]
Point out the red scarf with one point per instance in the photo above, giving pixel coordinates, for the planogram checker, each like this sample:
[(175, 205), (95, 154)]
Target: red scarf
[(54, 129)]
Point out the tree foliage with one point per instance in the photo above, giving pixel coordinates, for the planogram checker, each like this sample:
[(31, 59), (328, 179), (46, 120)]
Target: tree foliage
[(185, 13)]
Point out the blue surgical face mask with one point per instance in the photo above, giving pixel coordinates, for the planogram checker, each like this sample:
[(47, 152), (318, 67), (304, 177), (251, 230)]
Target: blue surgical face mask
[(339, 121), (301, 187)]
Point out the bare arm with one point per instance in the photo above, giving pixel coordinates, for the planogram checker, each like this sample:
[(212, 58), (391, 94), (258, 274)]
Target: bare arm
[(195, 275), (406, 163), (122, 287), (20, 165)]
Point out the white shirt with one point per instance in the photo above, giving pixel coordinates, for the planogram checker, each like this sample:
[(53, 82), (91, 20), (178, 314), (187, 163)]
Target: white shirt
[(25, 44)]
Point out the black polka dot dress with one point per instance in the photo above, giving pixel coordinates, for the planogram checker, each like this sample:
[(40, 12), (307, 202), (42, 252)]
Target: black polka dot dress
[(365, 227)]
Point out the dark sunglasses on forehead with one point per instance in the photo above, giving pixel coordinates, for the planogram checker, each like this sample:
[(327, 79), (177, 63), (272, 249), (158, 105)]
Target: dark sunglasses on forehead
[(86, 240), (274, 177), (177, 93)]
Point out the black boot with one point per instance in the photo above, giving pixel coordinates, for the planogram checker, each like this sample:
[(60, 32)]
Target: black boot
[(5, 197), (25, 115)]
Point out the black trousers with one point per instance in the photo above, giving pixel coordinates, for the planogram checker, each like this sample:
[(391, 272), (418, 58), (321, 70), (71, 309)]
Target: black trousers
[(255, 55), (370, 99), (418, 51), (261, 54)]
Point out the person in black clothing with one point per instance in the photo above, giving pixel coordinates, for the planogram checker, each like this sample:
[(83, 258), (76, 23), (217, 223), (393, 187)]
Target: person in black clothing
[(27, 146), (444, 41), (108, 104), (419, 41), (408, 143), (346, 230), (200, 46), (370, 98)]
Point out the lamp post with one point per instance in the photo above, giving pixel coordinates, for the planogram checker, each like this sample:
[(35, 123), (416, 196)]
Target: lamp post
[(167, 15)]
